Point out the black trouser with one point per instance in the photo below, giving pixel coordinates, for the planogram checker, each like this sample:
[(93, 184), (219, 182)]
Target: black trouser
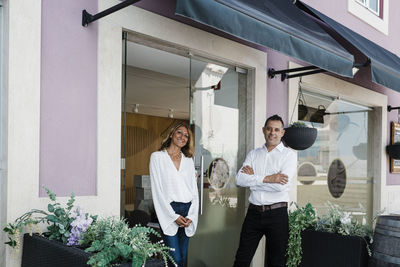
[(274, 225)]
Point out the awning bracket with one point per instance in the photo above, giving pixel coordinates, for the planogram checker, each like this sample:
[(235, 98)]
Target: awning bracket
[(390, 108), (304, 71), (284, 73), (88, 18)]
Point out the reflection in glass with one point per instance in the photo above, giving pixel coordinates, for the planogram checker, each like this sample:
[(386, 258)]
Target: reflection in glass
[(373, 4), (339, 157)]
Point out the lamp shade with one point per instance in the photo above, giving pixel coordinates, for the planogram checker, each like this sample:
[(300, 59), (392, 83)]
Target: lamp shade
[(318, 116), (393, 150), (360, 151), (303, 111)]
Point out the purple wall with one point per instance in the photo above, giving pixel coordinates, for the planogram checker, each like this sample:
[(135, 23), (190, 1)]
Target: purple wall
[(277, 93), (68, 107)]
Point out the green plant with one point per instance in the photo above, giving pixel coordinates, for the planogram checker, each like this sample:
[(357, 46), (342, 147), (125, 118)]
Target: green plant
[(29, 219), (298, 124), (57, 217), (112, 241), (299, 220), (338, 221), (334, 221)]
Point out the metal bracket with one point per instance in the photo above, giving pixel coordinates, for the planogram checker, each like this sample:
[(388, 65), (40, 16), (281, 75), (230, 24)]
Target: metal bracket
[(390, 108), (88, 18), (284, 73), (304, 71)]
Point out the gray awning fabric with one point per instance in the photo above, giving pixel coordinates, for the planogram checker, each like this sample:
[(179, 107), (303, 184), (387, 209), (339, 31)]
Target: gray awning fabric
[(385, 66), (277, 24)]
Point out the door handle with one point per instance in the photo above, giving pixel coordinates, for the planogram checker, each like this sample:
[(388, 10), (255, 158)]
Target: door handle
[(201, 183)]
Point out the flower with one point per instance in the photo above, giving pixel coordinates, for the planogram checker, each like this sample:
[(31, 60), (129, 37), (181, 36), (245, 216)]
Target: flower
[(80, 224), (110, 240), (346, 218)]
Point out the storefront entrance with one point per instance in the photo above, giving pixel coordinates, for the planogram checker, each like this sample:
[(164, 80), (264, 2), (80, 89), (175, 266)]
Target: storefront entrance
[(162, 89)]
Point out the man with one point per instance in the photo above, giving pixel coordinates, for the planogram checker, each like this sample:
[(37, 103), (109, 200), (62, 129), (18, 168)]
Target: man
[(268, 171)]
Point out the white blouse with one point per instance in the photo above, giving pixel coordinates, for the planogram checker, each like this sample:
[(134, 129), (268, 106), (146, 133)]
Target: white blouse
[(169, 184)]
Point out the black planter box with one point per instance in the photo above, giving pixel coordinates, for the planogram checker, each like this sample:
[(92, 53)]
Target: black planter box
[(41, 252), (333, 250)]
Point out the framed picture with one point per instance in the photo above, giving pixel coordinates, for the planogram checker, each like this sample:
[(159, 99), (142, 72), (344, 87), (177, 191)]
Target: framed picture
[(395, 138)]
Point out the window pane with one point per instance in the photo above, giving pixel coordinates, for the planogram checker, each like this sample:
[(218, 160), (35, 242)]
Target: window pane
[(374, 5), (335, 168)]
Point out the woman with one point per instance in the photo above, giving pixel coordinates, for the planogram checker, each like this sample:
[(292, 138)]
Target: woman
[(174, 190)]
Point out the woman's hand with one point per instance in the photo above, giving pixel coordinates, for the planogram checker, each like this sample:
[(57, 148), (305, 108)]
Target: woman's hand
[(182, 222), (188, 222)]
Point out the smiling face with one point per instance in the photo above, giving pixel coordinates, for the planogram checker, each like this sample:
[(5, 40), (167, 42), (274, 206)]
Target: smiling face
[(273, 133), (180, 137)]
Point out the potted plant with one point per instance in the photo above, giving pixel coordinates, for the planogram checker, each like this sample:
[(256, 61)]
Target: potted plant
[(299, 137), (299, 220), (75, 238), (335, 239)]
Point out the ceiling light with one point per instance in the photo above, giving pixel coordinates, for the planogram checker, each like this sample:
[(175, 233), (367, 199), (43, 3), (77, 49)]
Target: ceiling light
[(135, 108), (170, 113)]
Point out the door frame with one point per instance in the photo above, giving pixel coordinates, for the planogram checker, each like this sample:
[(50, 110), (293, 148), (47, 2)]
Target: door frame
[(164, 33)]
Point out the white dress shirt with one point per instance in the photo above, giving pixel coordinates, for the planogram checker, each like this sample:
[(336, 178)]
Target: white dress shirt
[(264, 163), (169, 184)]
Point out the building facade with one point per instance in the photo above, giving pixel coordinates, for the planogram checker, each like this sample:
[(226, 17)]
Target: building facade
[(76, 100)]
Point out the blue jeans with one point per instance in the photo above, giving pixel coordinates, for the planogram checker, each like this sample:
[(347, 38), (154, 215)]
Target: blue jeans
[(179, 242)]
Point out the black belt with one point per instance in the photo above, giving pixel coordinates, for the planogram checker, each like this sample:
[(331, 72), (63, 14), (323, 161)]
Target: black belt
[(262, 208)]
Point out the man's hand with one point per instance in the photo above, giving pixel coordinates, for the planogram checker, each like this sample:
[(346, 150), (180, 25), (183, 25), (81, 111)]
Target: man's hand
[(277, 178), (247, 170), (182, 222)]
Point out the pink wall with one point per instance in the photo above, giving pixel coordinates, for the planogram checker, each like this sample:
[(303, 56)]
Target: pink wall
[(68, 108)]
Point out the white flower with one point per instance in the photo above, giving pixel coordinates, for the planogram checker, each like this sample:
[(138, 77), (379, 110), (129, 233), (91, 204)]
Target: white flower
[(346, 218)]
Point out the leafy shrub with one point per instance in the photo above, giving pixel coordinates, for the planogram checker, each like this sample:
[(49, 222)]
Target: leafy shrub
[(335, 221), (299, 220), (57, 217), (112, 241), (338, 221)]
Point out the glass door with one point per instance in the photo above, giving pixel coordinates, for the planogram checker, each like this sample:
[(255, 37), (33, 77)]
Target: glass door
[(218, 117)]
